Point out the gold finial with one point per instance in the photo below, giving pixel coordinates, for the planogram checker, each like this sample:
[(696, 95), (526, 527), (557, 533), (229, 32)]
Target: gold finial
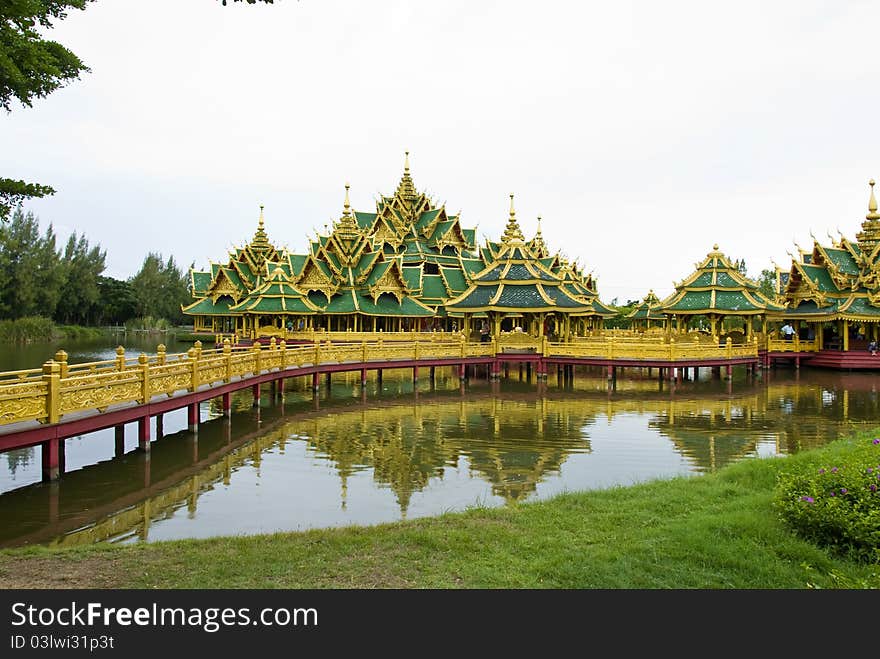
[(347, 204), (512, 212), (539, 224), (261, 214), (406, 161), (512, 231), (872, 204)]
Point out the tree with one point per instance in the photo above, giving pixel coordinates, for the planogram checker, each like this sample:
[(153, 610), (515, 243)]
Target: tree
[(31, 273), (32, 67), (116, 302), (160, 288), (83, 266)]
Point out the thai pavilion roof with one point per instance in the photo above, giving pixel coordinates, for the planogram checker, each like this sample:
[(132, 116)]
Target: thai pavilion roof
[(717, 287), (647, 309), (516, 280), (276, 296), (840, 280)]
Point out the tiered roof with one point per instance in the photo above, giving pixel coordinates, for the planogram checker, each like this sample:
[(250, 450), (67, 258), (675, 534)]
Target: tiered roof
[(717, 287), (648, 309), (840, 280), (409, 258), (516, 280)]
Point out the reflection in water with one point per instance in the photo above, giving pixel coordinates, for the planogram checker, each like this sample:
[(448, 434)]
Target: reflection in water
[(347, 455)]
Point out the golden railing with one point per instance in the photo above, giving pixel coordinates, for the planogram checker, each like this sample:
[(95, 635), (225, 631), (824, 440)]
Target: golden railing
[(618, 348), (794, 345), (59, 388)]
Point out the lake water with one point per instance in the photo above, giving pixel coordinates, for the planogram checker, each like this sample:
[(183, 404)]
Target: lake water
[(394, 450)]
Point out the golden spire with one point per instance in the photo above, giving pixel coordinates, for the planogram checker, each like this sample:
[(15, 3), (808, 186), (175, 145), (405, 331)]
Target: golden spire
[(539, 247), (347, 227), (872, 204), (512, 232), (406, 188), (261, 240), (869, 236)]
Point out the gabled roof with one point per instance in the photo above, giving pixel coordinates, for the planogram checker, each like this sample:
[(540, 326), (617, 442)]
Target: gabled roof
[(716, 286)]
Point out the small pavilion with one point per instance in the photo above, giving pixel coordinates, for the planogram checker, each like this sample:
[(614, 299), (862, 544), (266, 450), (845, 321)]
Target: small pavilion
[(717, 290)]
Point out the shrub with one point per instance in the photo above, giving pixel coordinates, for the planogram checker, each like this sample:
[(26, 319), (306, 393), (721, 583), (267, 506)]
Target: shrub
[(27, 329), (836, 502)]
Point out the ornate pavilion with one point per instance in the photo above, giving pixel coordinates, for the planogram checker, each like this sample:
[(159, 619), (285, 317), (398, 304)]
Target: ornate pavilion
[(832, 291), (717, 290), (395, 269)]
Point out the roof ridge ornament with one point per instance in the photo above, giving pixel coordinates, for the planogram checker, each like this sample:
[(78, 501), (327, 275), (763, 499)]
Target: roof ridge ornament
[(872, 204), (512, 232)]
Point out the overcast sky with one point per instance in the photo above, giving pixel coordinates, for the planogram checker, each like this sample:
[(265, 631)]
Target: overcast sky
[(642, 132)]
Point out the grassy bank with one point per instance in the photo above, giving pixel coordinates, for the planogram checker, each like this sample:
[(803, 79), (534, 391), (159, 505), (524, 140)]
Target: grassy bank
[(716, 531), (33, 329)]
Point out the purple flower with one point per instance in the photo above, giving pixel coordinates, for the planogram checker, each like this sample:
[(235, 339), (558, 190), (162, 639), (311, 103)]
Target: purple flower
[(870, 470), (812, 500), (873, 487), (833, 493), (843, 490), (876, 441), (833, 470), (822, 471)]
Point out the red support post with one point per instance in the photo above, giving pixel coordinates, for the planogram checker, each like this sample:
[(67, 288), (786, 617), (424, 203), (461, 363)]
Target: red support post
[(315, 385), (50, 460), (227, 404), (193, 417), (256, 390), (144, 434), (363, 377)]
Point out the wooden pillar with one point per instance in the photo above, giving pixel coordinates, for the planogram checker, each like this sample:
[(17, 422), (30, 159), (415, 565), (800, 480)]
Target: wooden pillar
[(160, 426), (363, 377), (462, 372), (255, 389), (120, 441), (193, 417), (51, 469), (144, 433), (227, 404), (327, 379), (415, 373)]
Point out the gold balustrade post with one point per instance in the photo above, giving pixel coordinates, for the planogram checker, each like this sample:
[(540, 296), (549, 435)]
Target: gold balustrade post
[(52, 378), (544, 350), (363, 351), (144, 364), (283, 348), (258, 359), (728, 348), (416, 350), (317, 353), (463, 346), (160, 354), (192, 354), (198, 346), (227, 354), (120, 358), (672, 348), (61, 358)]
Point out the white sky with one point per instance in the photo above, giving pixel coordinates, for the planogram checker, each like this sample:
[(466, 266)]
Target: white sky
[(642, 132)]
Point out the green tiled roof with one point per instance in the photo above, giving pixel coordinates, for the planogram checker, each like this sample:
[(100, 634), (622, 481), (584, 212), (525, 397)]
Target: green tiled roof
[(433, 288), (206, 307), (413, 277), (859, 307), (200, 282), (691, 301), (734, 301), (843, 260), (455, 280), (477, 297), (819, 275)]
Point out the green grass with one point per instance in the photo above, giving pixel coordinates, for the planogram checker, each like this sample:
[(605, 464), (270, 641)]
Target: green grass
[(716, 531)]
